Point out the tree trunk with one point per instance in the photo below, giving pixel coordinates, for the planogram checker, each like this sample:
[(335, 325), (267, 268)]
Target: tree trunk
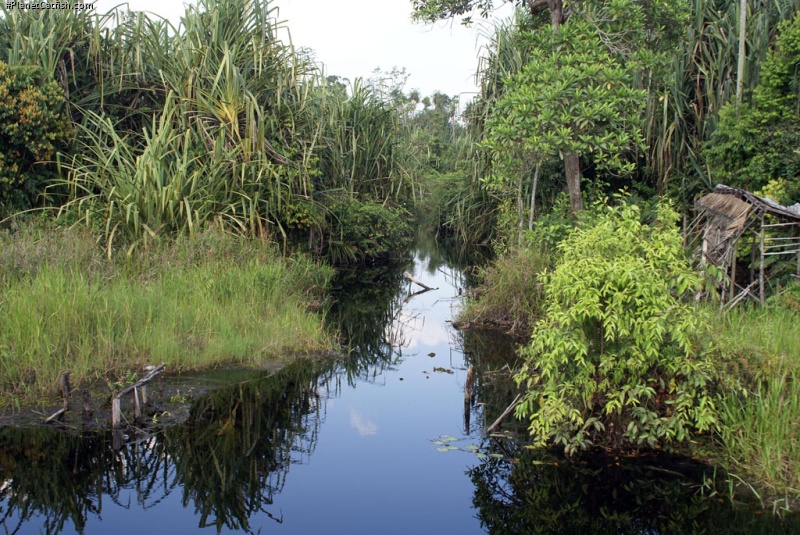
[(740, 63), (533, 196), (556, 13), (572, 170)]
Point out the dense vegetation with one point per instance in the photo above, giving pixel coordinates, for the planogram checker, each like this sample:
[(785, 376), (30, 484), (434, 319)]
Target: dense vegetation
[(662, 101), (190, 303), (160, 142), (215, 122)]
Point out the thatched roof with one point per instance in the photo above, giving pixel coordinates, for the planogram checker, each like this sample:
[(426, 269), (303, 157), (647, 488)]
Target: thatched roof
[(729, 212), (716, 204)]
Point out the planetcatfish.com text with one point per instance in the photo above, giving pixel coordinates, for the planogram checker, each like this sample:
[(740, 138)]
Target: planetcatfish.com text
[(71, 6)]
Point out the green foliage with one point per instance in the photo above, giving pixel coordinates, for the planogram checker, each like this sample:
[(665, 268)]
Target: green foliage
[(214, 122), (365, 232), (33, 125), (758, 401), (618, 358), (511, 293), (757, 143), (571, 96), (685, 99), (193, 302)]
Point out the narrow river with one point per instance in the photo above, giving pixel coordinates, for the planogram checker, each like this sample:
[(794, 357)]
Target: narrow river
[(382, 441)]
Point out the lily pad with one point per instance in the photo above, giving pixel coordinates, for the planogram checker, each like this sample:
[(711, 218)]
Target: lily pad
[(480, 455)]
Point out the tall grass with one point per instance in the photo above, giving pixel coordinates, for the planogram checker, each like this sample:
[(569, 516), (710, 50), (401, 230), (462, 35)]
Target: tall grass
[(510, 295), (214, 122), (193, 303), (760, 404)]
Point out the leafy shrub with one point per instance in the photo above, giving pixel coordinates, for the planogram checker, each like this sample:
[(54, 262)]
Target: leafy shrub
[(758, 142), (33, 124), (366, 232), (617, 359)]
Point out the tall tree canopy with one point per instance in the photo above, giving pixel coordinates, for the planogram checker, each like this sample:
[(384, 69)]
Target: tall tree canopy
[(576, 94)]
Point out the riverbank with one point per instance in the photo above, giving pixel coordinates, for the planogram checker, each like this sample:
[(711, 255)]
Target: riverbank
[(755, 359), (190, 303)]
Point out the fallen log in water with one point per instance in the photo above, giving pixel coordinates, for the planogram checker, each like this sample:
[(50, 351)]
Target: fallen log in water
[(408, 275)]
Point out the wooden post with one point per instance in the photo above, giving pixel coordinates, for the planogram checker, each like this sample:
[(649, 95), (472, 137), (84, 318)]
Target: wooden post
[(116, 416), (87, 411), (753, 259), (761, 271), (65, 390), (733, 270), (137, 410)]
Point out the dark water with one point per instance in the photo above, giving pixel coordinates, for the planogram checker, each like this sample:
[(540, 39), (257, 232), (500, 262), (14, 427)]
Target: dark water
[(353, 445)]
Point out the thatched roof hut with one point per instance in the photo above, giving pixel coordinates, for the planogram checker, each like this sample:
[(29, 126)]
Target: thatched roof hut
[(728, 216)]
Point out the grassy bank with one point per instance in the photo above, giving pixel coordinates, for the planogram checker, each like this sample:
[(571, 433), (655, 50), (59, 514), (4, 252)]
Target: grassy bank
[(190, 303), (759, 411), (510, 294)]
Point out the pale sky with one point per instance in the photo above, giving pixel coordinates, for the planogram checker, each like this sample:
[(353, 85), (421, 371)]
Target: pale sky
[(353, 37)]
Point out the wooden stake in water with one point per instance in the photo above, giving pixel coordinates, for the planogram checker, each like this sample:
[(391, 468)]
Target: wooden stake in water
[(116, 416), (137, 409)]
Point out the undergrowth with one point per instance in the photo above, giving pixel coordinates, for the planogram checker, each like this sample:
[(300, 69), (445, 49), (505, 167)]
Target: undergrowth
[(189, 303), (760, 405)]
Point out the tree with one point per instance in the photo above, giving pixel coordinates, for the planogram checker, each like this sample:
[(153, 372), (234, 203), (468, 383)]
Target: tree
[(760, 142), (626, 33), (618, 359), (573, 98)]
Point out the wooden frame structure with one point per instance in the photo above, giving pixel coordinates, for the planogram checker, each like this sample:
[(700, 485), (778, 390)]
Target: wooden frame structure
[(729, 216)]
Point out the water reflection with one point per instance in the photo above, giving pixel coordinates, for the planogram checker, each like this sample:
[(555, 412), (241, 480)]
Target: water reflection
[(227, 461), (402, 384), (544, 493)]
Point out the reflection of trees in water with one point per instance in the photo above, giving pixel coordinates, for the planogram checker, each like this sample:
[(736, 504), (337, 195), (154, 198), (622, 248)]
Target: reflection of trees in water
[(229, 458), (541, 492), (492, 356), (233, 454), (44, 472), (367, 313), (545, 493)]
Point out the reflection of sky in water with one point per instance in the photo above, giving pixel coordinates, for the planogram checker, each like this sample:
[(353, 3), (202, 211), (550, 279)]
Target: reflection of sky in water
[(372, 468), (364, 428), (423, 321)]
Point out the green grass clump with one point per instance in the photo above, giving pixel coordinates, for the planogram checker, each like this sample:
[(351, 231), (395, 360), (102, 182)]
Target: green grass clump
[(760, 408), (190, 303), (510, 295)]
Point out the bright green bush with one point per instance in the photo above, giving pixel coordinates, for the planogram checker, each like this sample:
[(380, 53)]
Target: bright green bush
[(617, 359), (33, 125)]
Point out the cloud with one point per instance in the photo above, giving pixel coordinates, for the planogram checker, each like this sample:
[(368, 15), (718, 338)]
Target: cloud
[(364, 428)]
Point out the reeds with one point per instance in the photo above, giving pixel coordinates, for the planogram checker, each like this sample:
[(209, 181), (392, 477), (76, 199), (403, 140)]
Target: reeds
[(760, 404), (214, 122)]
